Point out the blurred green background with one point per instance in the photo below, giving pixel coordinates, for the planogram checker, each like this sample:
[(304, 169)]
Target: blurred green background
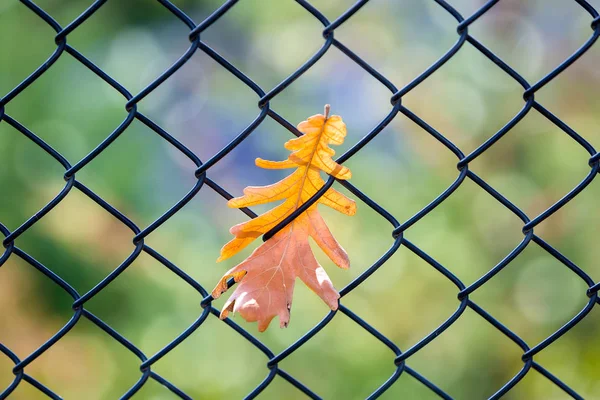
[(403, 169)]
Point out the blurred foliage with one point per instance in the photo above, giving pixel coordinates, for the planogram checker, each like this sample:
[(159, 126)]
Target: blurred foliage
[(403, 169)]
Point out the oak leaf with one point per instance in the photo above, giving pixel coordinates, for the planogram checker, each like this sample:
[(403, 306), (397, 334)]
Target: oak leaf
[(266, 278)]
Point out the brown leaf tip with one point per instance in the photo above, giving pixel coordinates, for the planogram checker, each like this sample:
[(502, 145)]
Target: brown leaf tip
[(327, 110), (225, 312)]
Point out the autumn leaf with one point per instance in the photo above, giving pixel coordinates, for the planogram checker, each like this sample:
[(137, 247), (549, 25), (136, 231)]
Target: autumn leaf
[(267, 277)]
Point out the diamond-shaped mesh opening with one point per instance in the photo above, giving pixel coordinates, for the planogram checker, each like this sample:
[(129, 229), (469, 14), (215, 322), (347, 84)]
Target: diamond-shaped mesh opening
[(74, 119), (328, 350), (264, 30), (170, 311), (78, 221), (471, 252), (75, 363), (488, 99), (487, 347), (533, 313), (540, 181), (230, 373)]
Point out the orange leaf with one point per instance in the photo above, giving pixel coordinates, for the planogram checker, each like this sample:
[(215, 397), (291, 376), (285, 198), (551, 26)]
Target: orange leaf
[(266, 278)]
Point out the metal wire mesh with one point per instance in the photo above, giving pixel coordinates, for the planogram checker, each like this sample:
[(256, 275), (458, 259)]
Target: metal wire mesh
[(273, 369)]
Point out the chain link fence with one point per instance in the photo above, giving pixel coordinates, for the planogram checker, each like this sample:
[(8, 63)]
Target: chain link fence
[(265, 111)]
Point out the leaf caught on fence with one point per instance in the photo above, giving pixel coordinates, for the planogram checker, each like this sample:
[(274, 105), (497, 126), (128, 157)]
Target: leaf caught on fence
[(267, 277)]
